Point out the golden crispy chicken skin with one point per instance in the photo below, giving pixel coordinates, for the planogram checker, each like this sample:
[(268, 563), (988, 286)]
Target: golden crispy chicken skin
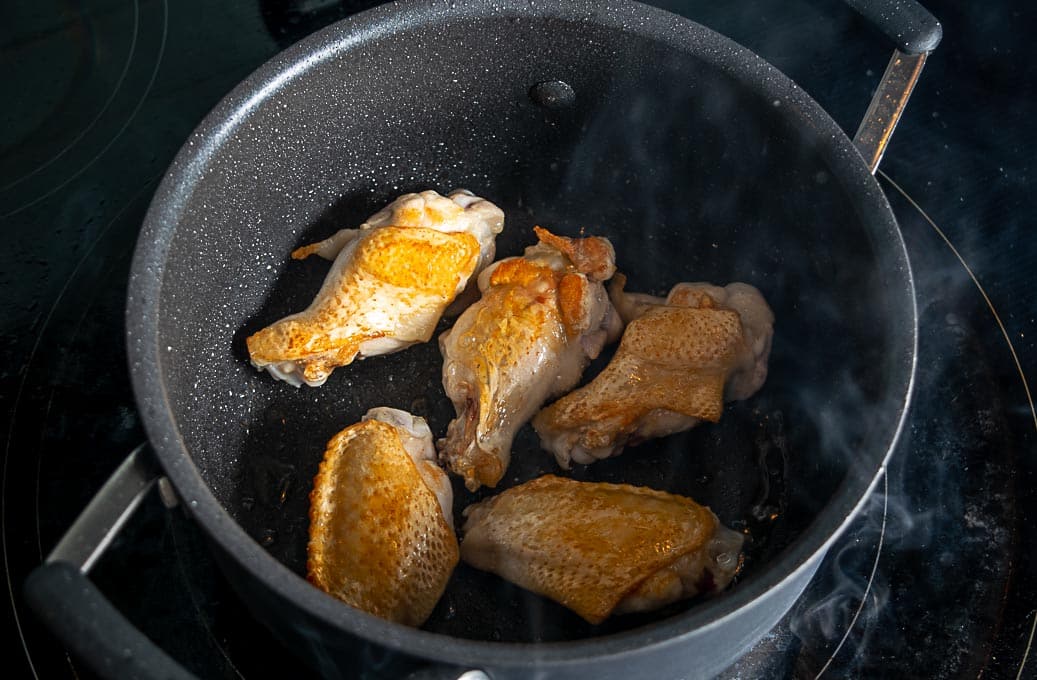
[(540, 319), (677, 361), (390, 283), (600, 549), (381, 528)]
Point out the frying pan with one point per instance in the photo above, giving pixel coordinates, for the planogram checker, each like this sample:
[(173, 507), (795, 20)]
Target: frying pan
[(695, 157)]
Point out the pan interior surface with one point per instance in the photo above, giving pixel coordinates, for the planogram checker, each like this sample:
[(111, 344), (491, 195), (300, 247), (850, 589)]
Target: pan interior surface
[(694, 173)]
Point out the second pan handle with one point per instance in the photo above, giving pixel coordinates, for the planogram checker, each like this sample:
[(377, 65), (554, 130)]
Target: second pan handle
[(68, 603), (906, 23), (916, 33)]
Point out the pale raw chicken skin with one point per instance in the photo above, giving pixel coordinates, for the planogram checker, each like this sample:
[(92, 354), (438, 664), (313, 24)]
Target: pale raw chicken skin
[(381, 524), (679, 359), (540, 320), (601, 549), (391, 281)]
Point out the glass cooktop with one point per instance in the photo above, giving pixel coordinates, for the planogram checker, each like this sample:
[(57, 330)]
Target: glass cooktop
[(937, 578)]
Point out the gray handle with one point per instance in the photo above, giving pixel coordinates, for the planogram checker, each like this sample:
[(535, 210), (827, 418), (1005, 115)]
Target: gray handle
[(80, 615), (909, 25), (71, 605), (916, 33)]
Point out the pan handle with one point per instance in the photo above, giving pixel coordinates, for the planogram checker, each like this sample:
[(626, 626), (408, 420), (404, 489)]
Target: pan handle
[(909, 25), (916, 33), (68, 603)]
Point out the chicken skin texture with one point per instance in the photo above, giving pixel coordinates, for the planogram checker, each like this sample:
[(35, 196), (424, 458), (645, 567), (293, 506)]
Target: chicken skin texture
[(540, 320), (679, 359), (381, 528), (390, 282), (600, 549)]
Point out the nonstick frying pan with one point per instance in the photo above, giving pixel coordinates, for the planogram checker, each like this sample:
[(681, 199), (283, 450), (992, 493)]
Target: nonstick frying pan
[(695, 157)]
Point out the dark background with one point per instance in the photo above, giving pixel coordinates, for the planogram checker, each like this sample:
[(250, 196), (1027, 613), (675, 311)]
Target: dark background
[(99, 96)]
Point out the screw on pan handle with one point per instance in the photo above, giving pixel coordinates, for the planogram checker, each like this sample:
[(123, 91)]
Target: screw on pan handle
[(916, 33), (71, 605)]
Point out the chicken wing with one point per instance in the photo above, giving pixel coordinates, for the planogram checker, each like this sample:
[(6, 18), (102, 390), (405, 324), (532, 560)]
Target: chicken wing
[(677, 362), (381, 526), (390, 283), (540, 319), (600, 549)]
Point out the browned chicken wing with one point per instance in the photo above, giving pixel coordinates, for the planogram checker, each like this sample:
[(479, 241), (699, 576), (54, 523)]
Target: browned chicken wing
[(390, 283), (600, 549), (541, 318), (677, 362), (381, 525)]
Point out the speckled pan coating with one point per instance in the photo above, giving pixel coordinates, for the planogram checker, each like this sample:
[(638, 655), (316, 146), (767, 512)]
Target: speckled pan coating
[(699, 160)]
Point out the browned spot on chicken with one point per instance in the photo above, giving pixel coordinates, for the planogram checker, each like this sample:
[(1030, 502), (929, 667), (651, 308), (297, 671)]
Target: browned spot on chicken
[(676, 360), (599, 548), (391, 281), (379, 539), (529, 337)]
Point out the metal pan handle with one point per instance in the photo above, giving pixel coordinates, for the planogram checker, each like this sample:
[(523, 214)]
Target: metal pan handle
[(71, 605), (916, 33)]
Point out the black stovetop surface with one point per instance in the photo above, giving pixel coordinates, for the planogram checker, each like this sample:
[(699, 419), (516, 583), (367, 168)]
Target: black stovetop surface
[(937, 578)]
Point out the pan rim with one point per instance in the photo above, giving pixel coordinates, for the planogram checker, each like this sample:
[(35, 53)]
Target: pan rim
[(143, 314)]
